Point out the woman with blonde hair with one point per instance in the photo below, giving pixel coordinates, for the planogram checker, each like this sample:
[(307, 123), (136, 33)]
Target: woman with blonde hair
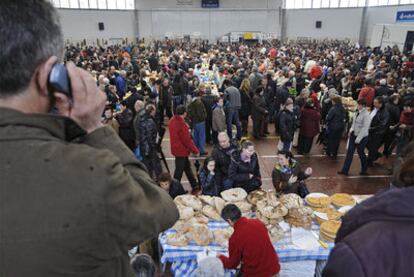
[(246, 103)]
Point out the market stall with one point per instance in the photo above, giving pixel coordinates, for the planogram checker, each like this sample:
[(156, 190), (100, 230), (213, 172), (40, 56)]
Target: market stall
[(301, 231)]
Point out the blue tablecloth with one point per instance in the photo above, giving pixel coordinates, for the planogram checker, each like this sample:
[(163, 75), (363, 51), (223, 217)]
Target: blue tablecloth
[(184, 262)]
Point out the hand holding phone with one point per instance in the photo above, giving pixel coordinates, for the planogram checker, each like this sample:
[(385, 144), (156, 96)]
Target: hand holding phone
[(88, 101)]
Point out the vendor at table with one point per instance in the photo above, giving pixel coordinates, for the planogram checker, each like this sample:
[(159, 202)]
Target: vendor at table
[(249, 245)]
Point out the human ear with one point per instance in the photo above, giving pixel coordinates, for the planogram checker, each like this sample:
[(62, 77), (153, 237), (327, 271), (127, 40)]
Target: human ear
[(42, 75)]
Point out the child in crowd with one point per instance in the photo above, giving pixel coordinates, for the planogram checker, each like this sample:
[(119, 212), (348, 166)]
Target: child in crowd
[(207, 177), (172, 186)]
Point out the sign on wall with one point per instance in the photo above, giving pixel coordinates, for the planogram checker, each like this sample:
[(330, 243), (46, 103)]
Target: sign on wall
[(210, 3), (405, 16), (185, 2)]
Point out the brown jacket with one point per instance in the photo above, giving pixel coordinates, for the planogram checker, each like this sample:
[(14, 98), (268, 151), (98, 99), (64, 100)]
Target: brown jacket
[(72, 204)]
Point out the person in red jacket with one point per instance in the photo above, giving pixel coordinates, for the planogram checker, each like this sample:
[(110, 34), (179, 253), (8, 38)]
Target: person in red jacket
[(249, 245), (182, 146), (367, 93)]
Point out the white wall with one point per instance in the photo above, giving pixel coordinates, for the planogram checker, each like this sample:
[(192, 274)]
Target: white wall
[(158, 17), (336, 23), (155, 18), (83, 24), (383, 15)]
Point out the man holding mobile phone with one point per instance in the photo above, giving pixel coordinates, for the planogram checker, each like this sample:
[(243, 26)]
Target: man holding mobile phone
[(73, 198)]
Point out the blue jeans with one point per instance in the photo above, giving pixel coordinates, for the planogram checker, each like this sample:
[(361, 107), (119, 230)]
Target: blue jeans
[(199, 136), (232, 117), (350, 153)]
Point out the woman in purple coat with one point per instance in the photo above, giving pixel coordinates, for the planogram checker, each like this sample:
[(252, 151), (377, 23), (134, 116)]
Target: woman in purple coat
[(376, 237)]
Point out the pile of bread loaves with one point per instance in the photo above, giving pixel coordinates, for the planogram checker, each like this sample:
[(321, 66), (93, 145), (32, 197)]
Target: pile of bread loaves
[(195, 213)]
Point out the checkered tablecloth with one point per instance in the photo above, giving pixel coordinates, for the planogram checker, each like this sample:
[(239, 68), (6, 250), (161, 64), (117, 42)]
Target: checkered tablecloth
[(184, 263)]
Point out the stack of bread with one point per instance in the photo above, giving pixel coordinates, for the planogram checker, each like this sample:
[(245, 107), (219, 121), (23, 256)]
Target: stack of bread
[(270, 211), (324, 214), (195, 213), (238, 197), (340, 200), (329, 229), (318, 200), (298, 215)]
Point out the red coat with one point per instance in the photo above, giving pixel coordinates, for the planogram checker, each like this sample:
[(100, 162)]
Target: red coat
[(250, 244), (309, 122), (368, 93), (180, 140), (315, 72)]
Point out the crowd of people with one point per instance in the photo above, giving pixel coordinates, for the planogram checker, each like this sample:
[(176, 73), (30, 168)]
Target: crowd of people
[(80, 198), (205, 90)]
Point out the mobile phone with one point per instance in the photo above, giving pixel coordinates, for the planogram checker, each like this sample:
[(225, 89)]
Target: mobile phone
[(59, 81)]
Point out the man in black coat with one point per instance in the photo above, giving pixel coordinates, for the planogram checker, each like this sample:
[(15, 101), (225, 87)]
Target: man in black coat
[(379, 126), (222, 155), (209, 100), (148, 141), (287, 125), (383, 90)]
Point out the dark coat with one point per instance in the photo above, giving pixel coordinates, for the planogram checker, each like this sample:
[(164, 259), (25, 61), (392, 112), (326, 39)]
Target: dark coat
[(82, 202), (335, 119), (165, 96), (375, 238), (286, 125), (223, 159), (309, 126), (383, 91), (280, 177), (239, 172), (380, 123), (208, 183), (282, 95), (394, 112), (246, 105), (126, 127), (196, 111), (148, 135), (176, 189), (209, 100), (258, 108)]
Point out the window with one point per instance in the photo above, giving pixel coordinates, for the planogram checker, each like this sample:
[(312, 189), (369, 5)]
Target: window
[(290, 4), (344, 3), (120, 4), (307, 4), (353, 3), (112, 4), (93, 4), (56, 3), (74, 4), (325, 4), (316, 4), (83, 4), (404, 2), (130, 4), (102, 4), (334, 4), (64, 3), (393, 2)]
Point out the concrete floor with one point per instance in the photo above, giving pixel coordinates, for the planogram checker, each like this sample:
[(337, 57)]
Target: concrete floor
[(324, 178)]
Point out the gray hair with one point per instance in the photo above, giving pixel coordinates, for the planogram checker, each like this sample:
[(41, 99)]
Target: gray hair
[(30, 34)]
